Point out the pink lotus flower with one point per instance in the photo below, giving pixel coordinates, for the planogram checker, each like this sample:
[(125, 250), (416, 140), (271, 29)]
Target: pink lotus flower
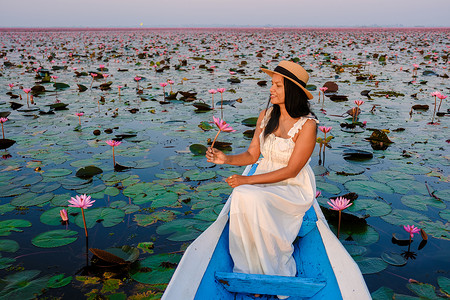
[(93, 75), (27, 91), (223, 126), (411, 229), (170, 82), (137, 78), (113, 144), (415, 66), (105, 76), (359, 102), (325, 129), (232, 73), (441, 97), (221, 90), (64, 216), (212, 91), (339, 204), (435, 94), (3, 120), (54, 77), (82, 201), (11, 85), (163, 84), (101, 66), (79, 117), (323, 89)]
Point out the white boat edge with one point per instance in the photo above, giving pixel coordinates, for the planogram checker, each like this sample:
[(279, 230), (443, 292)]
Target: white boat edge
[(184, 284)]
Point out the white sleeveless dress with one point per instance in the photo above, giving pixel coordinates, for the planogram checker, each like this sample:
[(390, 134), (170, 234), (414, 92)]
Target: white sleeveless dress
[(266, 218)]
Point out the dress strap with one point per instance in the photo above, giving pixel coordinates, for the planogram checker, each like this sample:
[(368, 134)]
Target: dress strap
[(299, 124), (266, 118)]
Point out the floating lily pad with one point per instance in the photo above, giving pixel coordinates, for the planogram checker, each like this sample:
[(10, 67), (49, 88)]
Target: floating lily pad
[(355, 250), (169, 175), (328, 187), (88, 172), (52, 216), (181, 230), (444, 284), (9, 246), (374, 208), (54, 238), (371, 265), (402, 217), (347, 169), (108, 217), (6, 262), (7, 226), (423, 290), (31, 199), (198, 175), (22, 285), (161, 268), (367, 188), (386, 176), (250, 122), (198, 149), (437, 229), (146, 220), (58, 281), (421, 202), (56, 172), (393, 259), (383, 293)]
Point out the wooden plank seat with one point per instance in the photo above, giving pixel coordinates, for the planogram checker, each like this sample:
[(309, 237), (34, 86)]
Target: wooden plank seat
[(269, 284)]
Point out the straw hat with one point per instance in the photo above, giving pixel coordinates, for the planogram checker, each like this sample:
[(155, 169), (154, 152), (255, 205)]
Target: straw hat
[(292, 71)]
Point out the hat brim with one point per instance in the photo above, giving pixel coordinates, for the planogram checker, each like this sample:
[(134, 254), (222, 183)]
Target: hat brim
[(270, 73)]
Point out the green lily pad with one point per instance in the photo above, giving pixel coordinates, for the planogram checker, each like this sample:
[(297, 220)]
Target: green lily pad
[(57, 173), (61, 85), (44, 187), (146, 220), (198, 175), (140, 188), (7, 226), (347, 169), (146, 247), (31, 199), (444, 284), (443, 194), (112, 191), (169, 175), (423, 290), (205, 126), (198, 149), (386, 176), (22, 285), (371, 265), (6, 208), (421, 202), (158, 274), (355, 250), (445, 214), (250, 122), (374, 208), (367, 188), (181, 230), (328, 187), (411, 169), (52, 216), (403, 186), (9, 246), (168, 199), (58, 281), (54, 238), (393, 259), (6, 262), (107, 216), (402, 217), (88, 172), (61, 199), (383, 293), (436, 229)]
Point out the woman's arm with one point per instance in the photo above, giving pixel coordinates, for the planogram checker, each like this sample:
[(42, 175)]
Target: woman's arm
[(246, 158), (304, 146)]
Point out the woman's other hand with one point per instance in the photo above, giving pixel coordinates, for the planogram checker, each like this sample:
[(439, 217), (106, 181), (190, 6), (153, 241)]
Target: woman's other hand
[(215, 156), (236, 180)]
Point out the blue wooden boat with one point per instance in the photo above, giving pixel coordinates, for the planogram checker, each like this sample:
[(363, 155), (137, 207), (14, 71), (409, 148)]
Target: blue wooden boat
[(325, 270)]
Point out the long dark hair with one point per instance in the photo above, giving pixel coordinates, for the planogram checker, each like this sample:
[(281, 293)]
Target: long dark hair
[(296, 103)]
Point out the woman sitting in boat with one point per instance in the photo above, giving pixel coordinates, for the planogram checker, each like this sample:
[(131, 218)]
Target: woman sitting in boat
[(267, 208)]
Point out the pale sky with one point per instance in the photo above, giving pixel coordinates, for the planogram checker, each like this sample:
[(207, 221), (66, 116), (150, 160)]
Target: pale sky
[(204, 13)]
